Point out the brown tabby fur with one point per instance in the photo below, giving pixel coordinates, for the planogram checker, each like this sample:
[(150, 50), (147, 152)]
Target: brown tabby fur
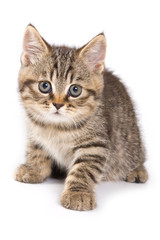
[(99, 140)]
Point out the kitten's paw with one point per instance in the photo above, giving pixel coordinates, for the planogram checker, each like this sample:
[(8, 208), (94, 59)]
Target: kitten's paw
[(139, 175), (80, 201), (27, 174)]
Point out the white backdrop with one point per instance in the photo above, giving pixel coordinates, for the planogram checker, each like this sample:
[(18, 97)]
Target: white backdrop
[(125, 211)]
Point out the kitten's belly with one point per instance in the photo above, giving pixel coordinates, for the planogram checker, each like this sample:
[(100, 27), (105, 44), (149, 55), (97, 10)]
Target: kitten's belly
[(57, 144)]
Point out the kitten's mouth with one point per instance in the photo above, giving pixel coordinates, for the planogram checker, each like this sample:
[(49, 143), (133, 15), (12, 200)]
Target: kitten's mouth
[(57, 113)]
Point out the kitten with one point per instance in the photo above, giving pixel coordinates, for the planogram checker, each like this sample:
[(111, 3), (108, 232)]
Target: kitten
[(80, 118)]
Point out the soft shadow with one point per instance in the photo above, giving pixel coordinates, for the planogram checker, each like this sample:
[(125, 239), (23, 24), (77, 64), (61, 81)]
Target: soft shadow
[(107, 190), (53, 181)]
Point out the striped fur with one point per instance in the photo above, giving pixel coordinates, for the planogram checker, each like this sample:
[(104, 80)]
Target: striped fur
[(93, 137)]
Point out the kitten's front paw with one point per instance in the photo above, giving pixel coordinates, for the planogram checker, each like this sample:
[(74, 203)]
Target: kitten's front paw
[(78, 200), (27, 175)]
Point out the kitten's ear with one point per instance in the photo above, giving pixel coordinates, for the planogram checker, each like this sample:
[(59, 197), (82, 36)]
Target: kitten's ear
[(93, 53), (33, 46)]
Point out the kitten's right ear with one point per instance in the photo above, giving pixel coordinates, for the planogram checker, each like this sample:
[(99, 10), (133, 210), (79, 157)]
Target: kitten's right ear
[(34, 47), (93, 54)]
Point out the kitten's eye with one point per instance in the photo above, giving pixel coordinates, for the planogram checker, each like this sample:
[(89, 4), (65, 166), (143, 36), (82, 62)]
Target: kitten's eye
[(45, 87), (75, 90)]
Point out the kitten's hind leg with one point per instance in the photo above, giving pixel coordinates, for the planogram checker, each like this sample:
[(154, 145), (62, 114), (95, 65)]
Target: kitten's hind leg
[(139, 175), (37, 168)]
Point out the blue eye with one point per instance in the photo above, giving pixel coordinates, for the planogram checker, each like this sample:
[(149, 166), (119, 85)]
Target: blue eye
[(75, 90), (45, 87)]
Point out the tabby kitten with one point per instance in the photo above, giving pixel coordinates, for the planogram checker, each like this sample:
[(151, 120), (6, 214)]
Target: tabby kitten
[(80, 119)]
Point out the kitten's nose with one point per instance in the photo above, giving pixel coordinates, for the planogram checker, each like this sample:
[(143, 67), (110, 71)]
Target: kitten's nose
[(58, 105)]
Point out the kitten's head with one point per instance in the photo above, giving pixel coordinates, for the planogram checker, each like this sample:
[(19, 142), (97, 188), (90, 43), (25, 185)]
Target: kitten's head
[(60, 85)]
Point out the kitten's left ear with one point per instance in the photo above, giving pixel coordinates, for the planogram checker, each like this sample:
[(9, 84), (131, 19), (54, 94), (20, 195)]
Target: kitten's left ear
[(93, 53), (34, 46)]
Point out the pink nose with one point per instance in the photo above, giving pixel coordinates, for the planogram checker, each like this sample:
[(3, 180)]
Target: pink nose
[(58, 105)]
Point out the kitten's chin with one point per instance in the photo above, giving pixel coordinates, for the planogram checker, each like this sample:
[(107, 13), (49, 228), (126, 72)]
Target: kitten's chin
[(58, 119), (55, 118), (64, 121)]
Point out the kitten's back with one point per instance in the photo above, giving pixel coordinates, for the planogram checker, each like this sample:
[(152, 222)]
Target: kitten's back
[(118, 104), (122, 127)]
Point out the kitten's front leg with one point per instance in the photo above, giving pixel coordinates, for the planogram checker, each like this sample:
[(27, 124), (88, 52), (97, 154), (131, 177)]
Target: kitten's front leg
[(37, 167), (86, 172)]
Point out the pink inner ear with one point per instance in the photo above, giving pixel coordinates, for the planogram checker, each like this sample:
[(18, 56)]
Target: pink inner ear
[(95, 56), (26, 57), (32, 46), (26, 41), (97, 67)]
